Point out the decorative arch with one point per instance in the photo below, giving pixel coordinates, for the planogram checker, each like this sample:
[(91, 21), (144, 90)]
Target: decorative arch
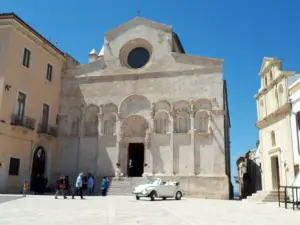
[(109, 108), (134, 126), (74, 120), (109, 123), (182, 117), (91, 120), (203, 103), (162, 122), (202, 121), (273, 138), (163, 105), (134, 105)]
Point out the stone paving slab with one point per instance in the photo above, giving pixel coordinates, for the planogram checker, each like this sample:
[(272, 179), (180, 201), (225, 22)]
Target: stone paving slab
[(118, 210)]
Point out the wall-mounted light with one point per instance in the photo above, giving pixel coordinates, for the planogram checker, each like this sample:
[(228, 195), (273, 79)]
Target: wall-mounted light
[(7, 87)]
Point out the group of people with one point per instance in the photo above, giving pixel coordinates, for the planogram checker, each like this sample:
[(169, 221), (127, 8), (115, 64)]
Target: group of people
[(82, 183)]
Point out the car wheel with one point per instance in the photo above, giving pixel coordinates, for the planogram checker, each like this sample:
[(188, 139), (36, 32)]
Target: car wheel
[(152, 195), (164, 198), (137, 197), (178, 195)]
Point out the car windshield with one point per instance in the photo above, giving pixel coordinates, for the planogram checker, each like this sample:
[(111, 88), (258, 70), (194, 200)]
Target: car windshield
[(154, 181)]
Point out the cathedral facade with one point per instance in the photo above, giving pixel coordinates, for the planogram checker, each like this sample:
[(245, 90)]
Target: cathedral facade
[(143, 99)]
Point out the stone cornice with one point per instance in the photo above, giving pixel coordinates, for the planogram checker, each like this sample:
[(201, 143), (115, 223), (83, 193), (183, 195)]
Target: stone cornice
[(274, 116), (89, 79), (283, 74)]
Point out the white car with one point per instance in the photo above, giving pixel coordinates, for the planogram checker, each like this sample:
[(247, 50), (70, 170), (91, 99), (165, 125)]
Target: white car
[(158, 188)]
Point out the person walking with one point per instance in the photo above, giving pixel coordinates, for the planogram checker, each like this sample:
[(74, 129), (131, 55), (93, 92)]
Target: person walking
[(61, 186), (25, 188), (78, 186), (90, 185), (104, 186)]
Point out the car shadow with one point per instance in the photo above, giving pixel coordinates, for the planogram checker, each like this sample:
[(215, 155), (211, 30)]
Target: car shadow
[(160, 200)]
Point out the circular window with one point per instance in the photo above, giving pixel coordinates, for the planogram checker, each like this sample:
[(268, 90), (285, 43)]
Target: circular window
[(138, 58)]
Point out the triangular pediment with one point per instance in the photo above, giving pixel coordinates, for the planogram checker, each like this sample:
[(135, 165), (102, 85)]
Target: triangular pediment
[(112, 34), (266, 64)]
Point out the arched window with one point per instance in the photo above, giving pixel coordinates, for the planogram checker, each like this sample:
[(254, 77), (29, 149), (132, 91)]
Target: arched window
[(109, 124), (161, 122), (273, 139), (202, 118), (266, 81), (271, 76)]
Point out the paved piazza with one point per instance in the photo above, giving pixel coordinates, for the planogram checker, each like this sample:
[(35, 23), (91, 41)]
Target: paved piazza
[(117, 210)]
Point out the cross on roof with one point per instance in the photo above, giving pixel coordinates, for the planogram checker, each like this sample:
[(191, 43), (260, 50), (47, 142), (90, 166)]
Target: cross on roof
[(139, 12)]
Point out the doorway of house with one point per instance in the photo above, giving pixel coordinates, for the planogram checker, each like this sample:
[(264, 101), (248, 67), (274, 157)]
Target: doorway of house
[(136, 153), (275, 172), (38, 170)]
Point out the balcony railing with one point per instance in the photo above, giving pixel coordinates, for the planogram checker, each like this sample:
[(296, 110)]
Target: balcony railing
[(22, 121), (47, 129)]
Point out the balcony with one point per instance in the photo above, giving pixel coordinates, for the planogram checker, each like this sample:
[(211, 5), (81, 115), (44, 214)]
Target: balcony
[(47, 129), (22, 121)]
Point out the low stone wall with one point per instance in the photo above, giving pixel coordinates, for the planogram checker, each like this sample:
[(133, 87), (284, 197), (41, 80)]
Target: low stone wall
[(211, 187)]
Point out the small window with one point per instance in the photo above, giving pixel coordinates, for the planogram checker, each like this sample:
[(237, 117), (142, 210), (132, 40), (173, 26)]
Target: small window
[(26, 58), (271, 76), (14, 167), (49, 72), (273, 139)]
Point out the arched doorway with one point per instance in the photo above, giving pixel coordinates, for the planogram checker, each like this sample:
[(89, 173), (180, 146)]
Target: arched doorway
[(38, 169), (135, 132)]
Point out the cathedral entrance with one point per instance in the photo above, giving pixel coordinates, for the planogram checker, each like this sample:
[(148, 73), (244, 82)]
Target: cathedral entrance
[(136, 153), (38, 170)]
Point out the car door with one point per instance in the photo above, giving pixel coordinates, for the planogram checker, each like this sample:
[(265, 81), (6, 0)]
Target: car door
[(169, 189), (163, 188)]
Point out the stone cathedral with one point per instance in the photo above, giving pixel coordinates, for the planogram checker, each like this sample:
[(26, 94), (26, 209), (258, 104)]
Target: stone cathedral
[(142, 98)]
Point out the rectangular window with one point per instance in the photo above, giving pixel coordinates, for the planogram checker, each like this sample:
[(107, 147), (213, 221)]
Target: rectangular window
[(26, 58), (45, 116), (14, 166), (20, 107), (49, 72)]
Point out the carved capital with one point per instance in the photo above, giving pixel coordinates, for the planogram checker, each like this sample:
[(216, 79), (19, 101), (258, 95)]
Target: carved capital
[(119, 116), (192, 113), (122, 135), (101, 116)]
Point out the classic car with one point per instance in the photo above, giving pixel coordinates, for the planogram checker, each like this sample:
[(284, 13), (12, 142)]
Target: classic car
[(158, 188)]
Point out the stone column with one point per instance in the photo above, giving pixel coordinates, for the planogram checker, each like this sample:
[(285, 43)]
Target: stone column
[(148, 169), (120, 143), (81, 136), (172, 122), (192, 132), (100, 122)]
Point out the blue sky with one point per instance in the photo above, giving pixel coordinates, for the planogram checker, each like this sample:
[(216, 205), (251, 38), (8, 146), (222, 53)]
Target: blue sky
[(240, 32)]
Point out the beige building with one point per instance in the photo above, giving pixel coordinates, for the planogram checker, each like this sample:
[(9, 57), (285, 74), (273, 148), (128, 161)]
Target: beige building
[(30, 81), (142, 102), (273, 109)]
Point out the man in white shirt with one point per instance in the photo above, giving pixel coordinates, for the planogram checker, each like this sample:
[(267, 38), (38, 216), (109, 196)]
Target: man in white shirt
[(78, 186)]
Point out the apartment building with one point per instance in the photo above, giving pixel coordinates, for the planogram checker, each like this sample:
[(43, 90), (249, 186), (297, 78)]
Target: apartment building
[(30, 82)]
